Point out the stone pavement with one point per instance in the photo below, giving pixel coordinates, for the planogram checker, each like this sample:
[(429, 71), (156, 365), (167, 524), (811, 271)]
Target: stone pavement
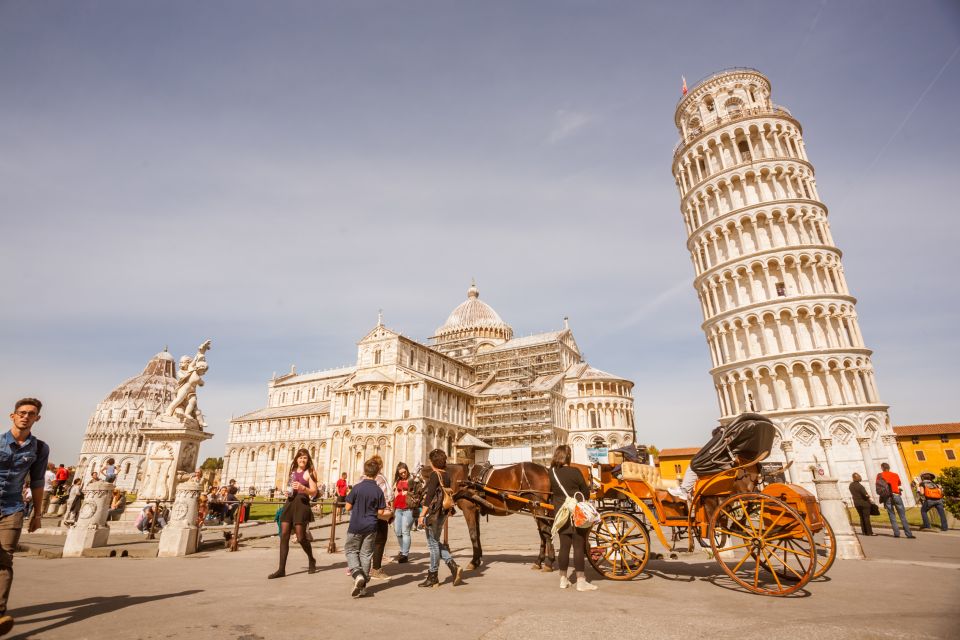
[(908, 589)]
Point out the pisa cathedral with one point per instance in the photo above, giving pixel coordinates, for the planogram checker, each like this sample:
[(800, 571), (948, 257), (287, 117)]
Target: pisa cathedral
[(780, 322), (475, 390)]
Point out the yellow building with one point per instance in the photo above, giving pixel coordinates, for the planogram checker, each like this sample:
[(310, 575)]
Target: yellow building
[(673, 463), (928, 447)]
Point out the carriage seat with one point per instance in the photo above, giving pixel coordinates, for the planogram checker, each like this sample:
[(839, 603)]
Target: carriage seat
[(636, 471)]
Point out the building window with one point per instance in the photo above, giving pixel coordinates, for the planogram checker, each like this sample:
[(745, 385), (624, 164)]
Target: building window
[(944, 438), (376, 357), (406, 413), (915, 440), (781, 289), (677, 469), (126, 468), (406, 393), (921, 456), (950, 454), (253, 456)]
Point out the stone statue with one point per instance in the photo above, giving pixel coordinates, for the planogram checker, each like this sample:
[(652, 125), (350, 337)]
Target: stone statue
[(189, 378)]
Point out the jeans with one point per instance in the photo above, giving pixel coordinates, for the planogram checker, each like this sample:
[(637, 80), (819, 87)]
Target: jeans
[(896, 502), (438, 550), (933, 504), (402, 524), (359, 550), (10, 527)]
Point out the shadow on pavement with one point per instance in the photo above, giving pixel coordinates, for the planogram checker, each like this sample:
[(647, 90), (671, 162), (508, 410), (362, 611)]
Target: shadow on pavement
[(60, 614)]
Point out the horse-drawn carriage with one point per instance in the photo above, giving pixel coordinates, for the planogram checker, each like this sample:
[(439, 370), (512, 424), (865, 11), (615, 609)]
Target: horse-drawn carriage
[(769, 538)]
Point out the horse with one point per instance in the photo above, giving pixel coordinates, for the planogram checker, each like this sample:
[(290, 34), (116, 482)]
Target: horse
[(525, 480)]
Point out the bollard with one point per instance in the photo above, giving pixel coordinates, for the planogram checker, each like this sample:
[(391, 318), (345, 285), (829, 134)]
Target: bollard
[(835, 511), (179, 537), (91, 528), (332, 545), (235, 540)]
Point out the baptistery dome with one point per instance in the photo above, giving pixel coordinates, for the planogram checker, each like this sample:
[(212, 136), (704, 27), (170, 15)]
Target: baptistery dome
[(114, 429)]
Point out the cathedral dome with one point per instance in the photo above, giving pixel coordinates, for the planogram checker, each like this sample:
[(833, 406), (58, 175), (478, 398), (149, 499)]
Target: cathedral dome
[(473, 314)]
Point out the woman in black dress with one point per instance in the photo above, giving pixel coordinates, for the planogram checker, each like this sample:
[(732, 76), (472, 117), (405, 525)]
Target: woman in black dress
[(296, 514), (568, 481)]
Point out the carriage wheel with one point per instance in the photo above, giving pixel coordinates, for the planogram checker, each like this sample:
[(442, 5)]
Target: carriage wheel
[(825, 547), (763, 532), (618, 546)]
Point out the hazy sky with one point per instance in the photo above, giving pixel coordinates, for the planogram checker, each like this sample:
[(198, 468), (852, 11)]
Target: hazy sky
[(269, 174)]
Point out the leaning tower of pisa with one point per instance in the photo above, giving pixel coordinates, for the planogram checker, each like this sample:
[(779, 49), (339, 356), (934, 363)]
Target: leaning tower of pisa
[(780, 323)]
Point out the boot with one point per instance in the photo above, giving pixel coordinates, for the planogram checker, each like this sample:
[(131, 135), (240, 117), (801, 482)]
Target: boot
[(431, 580), (455, 571)]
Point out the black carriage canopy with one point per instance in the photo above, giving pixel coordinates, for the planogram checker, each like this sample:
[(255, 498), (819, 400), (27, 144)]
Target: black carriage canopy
[(748, 437)]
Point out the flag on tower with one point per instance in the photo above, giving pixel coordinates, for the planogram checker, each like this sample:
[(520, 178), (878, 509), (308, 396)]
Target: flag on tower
[(684, 90)]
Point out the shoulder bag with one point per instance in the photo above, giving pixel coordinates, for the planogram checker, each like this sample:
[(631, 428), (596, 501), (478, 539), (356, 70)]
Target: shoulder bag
[(584, 515), (448, 502)]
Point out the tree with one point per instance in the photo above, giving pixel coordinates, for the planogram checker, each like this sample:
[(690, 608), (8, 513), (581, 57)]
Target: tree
[(211, 464), (950, 481), (654, 451)]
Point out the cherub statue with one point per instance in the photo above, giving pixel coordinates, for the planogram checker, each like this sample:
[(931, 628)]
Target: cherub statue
[(189, 378)]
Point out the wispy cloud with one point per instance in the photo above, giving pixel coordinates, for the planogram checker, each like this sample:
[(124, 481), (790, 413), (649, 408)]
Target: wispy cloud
[(656, 302), (567, 123)]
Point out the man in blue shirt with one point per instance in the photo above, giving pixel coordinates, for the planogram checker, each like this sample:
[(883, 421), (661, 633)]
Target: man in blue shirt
[(21, 454), (366, 503)]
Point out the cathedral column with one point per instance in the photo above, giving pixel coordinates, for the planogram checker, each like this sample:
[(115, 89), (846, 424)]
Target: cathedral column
[(868, 464), (827, 445), (787, 447)]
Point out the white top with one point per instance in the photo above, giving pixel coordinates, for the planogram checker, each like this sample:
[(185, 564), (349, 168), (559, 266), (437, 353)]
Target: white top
[(48, 479)]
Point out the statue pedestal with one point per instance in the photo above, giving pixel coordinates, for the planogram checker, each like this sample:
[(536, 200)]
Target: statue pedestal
[(90, 530), (179, 537), (172, 446), (835, 512)]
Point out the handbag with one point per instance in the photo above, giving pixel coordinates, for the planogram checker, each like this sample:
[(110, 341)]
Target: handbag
[(584, 515), (874, 509), (448, 502)]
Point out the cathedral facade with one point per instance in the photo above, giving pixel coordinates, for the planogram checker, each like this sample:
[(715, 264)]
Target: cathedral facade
[(475, 391)]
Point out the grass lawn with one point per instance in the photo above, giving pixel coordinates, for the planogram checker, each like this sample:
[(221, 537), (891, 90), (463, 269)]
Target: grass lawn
[(913, 517), (264, 509)]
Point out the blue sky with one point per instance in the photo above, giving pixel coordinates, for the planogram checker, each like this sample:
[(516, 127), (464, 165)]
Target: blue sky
[(269, 174)]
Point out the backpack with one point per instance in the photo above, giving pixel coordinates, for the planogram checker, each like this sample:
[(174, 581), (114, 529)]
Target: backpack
[(415, 489), (931, 491), (884, 492)]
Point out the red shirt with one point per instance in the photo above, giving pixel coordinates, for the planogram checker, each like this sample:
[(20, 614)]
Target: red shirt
[(341, 487), (62, 474), (400, 501), (893, 480)]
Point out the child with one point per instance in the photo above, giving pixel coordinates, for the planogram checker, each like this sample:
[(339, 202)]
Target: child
[(365, 503)]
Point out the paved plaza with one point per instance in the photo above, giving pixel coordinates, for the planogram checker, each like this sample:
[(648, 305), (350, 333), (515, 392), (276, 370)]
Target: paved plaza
[(908, 589)]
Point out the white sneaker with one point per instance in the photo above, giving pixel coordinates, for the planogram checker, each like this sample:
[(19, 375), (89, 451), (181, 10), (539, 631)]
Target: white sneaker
[(564, 582), (583, 585), (679, 492), (359, 586)]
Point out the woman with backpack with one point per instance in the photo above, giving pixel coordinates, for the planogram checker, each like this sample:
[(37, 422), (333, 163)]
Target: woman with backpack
[(863, 504), (437, 505), (565, 483), (932, 495)]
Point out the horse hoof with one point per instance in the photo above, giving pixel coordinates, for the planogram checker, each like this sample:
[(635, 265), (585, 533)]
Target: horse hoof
[(535, 567), (471, 567), (547, 568)]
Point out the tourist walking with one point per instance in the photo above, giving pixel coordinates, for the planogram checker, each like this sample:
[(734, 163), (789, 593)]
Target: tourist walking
[(566, 483), (74, 500), (341, 495), (863, 504), (932, 494), (888, 491), (49, 485), (25, 460), (365, 503), (433, 516), (296, 514), (63, 474), (383, 523), (403, 514)]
